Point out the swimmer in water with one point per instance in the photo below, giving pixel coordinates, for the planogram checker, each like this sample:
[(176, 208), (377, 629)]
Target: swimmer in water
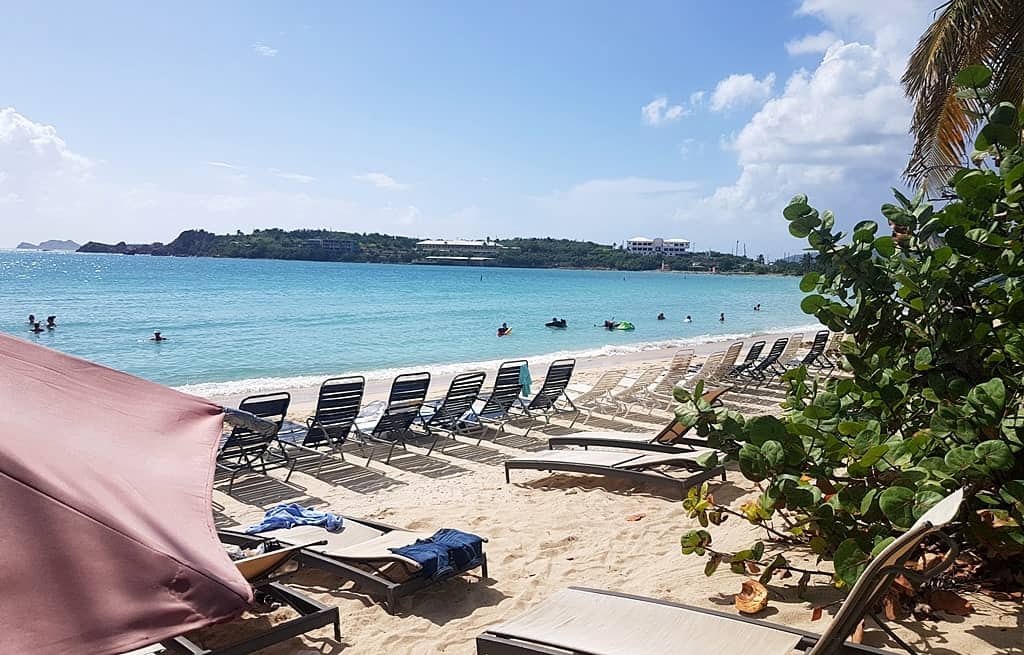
[(157, 337), (503, 330), (661, 316), (688, 319), (31, 319), (721, 317), (51, 322), (36, 328)]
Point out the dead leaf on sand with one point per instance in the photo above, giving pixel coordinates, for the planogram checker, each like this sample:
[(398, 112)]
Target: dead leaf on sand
[(950, 602), (635, 517)]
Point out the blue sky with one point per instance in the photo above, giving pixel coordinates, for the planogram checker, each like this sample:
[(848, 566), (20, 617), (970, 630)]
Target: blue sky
[(572, 119)]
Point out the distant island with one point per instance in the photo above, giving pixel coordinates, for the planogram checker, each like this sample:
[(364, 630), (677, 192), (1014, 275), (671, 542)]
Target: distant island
[(53, 244), (329, 246)]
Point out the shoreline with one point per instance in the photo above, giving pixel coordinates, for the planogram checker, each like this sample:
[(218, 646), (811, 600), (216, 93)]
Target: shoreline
[(589, 364)]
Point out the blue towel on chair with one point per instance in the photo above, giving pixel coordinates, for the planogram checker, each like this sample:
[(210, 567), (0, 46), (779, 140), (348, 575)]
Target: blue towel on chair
[(445, 553), (524, 380), (289, 516)]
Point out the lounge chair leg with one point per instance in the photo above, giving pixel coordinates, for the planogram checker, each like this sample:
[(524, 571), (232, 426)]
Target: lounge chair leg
[(483, 567), (507, 479), (892, 634), (390, 602), (391, 451)]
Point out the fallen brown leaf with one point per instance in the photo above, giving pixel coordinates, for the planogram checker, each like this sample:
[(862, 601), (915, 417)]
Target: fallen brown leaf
[(950, 602), (635, 517), (816, 613), (903, 585)]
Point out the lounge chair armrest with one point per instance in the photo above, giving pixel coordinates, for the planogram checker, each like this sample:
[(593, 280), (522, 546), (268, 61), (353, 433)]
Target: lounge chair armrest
[(242, 419)]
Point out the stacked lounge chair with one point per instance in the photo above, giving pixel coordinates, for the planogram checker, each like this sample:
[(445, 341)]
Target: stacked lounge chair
[(337, 407), (638, 394), (753, 353), (678, 370), (246, 449), (576, 621), (765, 370), (360, 552)]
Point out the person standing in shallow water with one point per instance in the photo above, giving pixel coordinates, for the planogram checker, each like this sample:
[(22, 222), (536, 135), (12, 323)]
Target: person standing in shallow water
[(51, 322), (31, 319), (721, 317), (36, 328), (157, 337)]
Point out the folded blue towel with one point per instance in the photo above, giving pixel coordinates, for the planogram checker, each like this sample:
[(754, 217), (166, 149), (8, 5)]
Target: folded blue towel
[(445, 553), (289, 516)]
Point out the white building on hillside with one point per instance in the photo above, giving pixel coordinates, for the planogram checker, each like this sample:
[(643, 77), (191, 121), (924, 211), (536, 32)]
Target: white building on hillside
[(657, 246), (458, 247)]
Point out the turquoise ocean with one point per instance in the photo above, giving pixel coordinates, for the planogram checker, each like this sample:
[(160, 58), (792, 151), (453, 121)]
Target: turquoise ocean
[(237, 326)]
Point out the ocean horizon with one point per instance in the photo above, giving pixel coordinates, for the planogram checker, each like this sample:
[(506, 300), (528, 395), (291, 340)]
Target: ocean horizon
[(237, 326)]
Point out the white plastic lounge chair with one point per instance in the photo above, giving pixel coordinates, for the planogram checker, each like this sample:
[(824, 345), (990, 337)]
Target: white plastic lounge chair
[(599, 398), (591, 622)]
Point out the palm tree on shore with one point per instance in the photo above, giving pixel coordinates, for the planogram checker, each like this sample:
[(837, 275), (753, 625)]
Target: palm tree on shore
[(964, 32)]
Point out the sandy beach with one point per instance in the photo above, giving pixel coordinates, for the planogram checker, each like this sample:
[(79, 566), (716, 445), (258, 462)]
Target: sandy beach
[(545, 532)]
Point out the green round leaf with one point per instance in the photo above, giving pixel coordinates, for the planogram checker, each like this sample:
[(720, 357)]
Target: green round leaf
[(993, 455), (885, 247), (850, 561), (897, 504), (796, 208), (923, 359), (1004, 114), (812, 303), (960, 458), (974, 77), (752, 463), (809, 281), (773, 453)]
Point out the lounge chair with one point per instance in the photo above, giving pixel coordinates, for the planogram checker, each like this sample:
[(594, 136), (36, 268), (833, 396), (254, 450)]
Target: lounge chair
[(579, 621), (659, 468), (551, 399), (752, 354), (453, 414), (817, 348), (337, 407), (763, 371), (831, 356), (639, 393), (260, 570), (246, 449), (671, 439), (678, 370), (796, 342), (360, 553), (496, 406), (729, 357), (408, 391), (599, 397)]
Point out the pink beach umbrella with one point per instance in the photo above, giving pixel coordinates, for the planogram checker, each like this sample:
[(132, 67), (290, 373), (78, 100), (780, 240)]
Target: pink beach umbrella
[(107, 542)]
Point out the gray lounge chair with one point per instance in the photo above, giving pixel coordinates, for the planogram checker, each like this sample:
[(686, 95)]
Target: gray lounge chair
[(408, 391), (765, 370), (360, 553), (677, 469), (248, 449), (454, 413), (551, 399), (580, 621), (337, 407), (750, 360), (496, 406)]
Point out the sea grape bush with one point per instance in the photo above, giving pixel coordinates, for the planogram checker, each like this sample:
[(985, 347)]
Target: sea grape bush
[(934, 317)]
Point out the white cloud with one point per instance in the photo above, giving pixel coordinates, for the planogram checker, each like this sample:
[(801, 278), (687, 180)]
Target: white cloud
[(48, 191), (737, 90), (811, 43), (697, 98), (294, 177), (659, 112), (606, 209), (221, 164), (380, 180), (264, 50)]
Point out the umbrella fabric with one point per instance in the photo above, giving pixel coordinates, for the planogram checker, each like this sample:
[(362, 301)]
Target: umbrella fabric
[(108, 542)]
